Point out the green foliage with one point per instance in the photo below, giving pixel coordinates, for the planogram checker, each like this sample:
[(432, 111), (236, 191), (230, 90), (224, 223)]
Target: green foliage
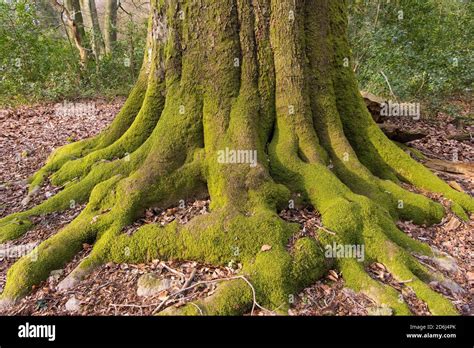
[(425, 48), (38, 62)]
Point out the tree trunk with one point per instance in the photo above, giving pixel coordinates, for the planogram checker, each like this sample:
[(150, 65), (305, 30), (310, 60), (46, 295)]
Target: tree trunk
[(255, 104), (71, 14), (110, 25), (91, 21)]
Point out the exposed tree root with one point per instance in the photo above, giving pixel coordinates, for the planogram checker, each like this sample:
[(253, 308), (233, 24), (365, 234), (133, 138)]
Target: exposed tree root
[(81, 148), (312, 137)]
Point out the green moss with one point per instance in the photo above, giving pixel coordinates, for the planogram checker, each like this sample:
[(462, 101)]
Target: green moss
[(135, 135), (13, 227), (49, 255), (61, 247), (373, 148), (232, 297), (356, 277), (414, 152), (197, 102), (309, 263), (78, 149)]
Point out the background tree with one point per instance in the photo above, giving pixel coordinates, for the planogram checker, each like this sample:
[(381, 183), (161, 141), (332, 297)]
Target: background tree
[(39, 61), (91, 20), (270, 76), (71, 15), (110, 25)]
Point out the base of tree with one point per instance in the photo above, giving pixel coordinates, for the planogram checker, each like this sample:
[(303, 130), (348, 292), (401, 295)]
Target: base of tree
[(233, 78)]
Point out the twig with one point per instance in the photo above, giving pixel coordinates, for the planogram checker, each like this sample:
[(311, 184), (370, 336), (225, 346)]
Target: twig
[(189, 280), (321, 227), (124, 10), (103, 285), (199, 308), (388, 83), (377, 15), (173, 270), (405, 281)]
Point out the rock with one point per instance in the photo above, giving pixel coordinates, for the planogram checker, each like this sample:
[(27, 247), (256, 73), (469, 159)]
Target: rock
[(69, 282), (452, 224), (56, 274), (453, 286), (446, 263), (73, 305), (25, 201), (149, 284)]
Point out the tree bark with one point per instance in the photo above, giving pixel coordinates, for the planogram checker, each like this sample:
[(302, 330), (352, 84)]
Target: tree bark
[(110, 25), (91, 21), (72, 17), (255, 104)]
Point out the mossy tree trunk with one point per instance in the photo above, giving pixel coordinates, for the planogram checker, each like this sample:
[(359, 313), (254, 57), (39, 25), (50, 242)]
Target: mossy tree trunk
[(266, 77)]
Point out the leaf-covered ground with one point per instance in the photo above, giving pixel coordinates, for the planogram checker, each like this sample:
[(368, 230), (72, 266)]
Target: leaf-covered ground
[(28, 134)]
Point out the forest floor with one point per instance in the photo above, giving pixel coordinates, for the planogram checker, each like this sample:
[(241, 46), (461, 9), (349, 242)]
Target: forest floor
[(28, 134)]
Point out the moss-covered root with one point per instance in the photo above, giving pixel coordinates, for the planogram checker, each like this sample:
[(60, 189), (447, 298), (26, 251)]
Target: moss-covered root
[(222, 237), (328, 126), (126, 208), (405, 268), (373, 148), (15, 225), (60, 248), (232, 297), (88, 264), (383, 243), (138, 132), (357, 220), (272, 279), (81, 148), (356, 278)]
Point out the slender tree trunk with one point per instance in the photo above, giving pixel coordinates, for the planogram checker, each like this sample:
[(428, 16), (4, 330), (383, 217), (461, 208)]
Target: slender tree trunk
[(72, 17), (254, 103), (110, 25), (91, 21)]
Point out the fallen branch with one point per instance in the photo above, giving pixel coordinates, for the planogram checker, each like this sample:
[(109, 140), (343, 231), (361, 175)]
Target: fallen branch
[(451, 167), (401, 135)]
